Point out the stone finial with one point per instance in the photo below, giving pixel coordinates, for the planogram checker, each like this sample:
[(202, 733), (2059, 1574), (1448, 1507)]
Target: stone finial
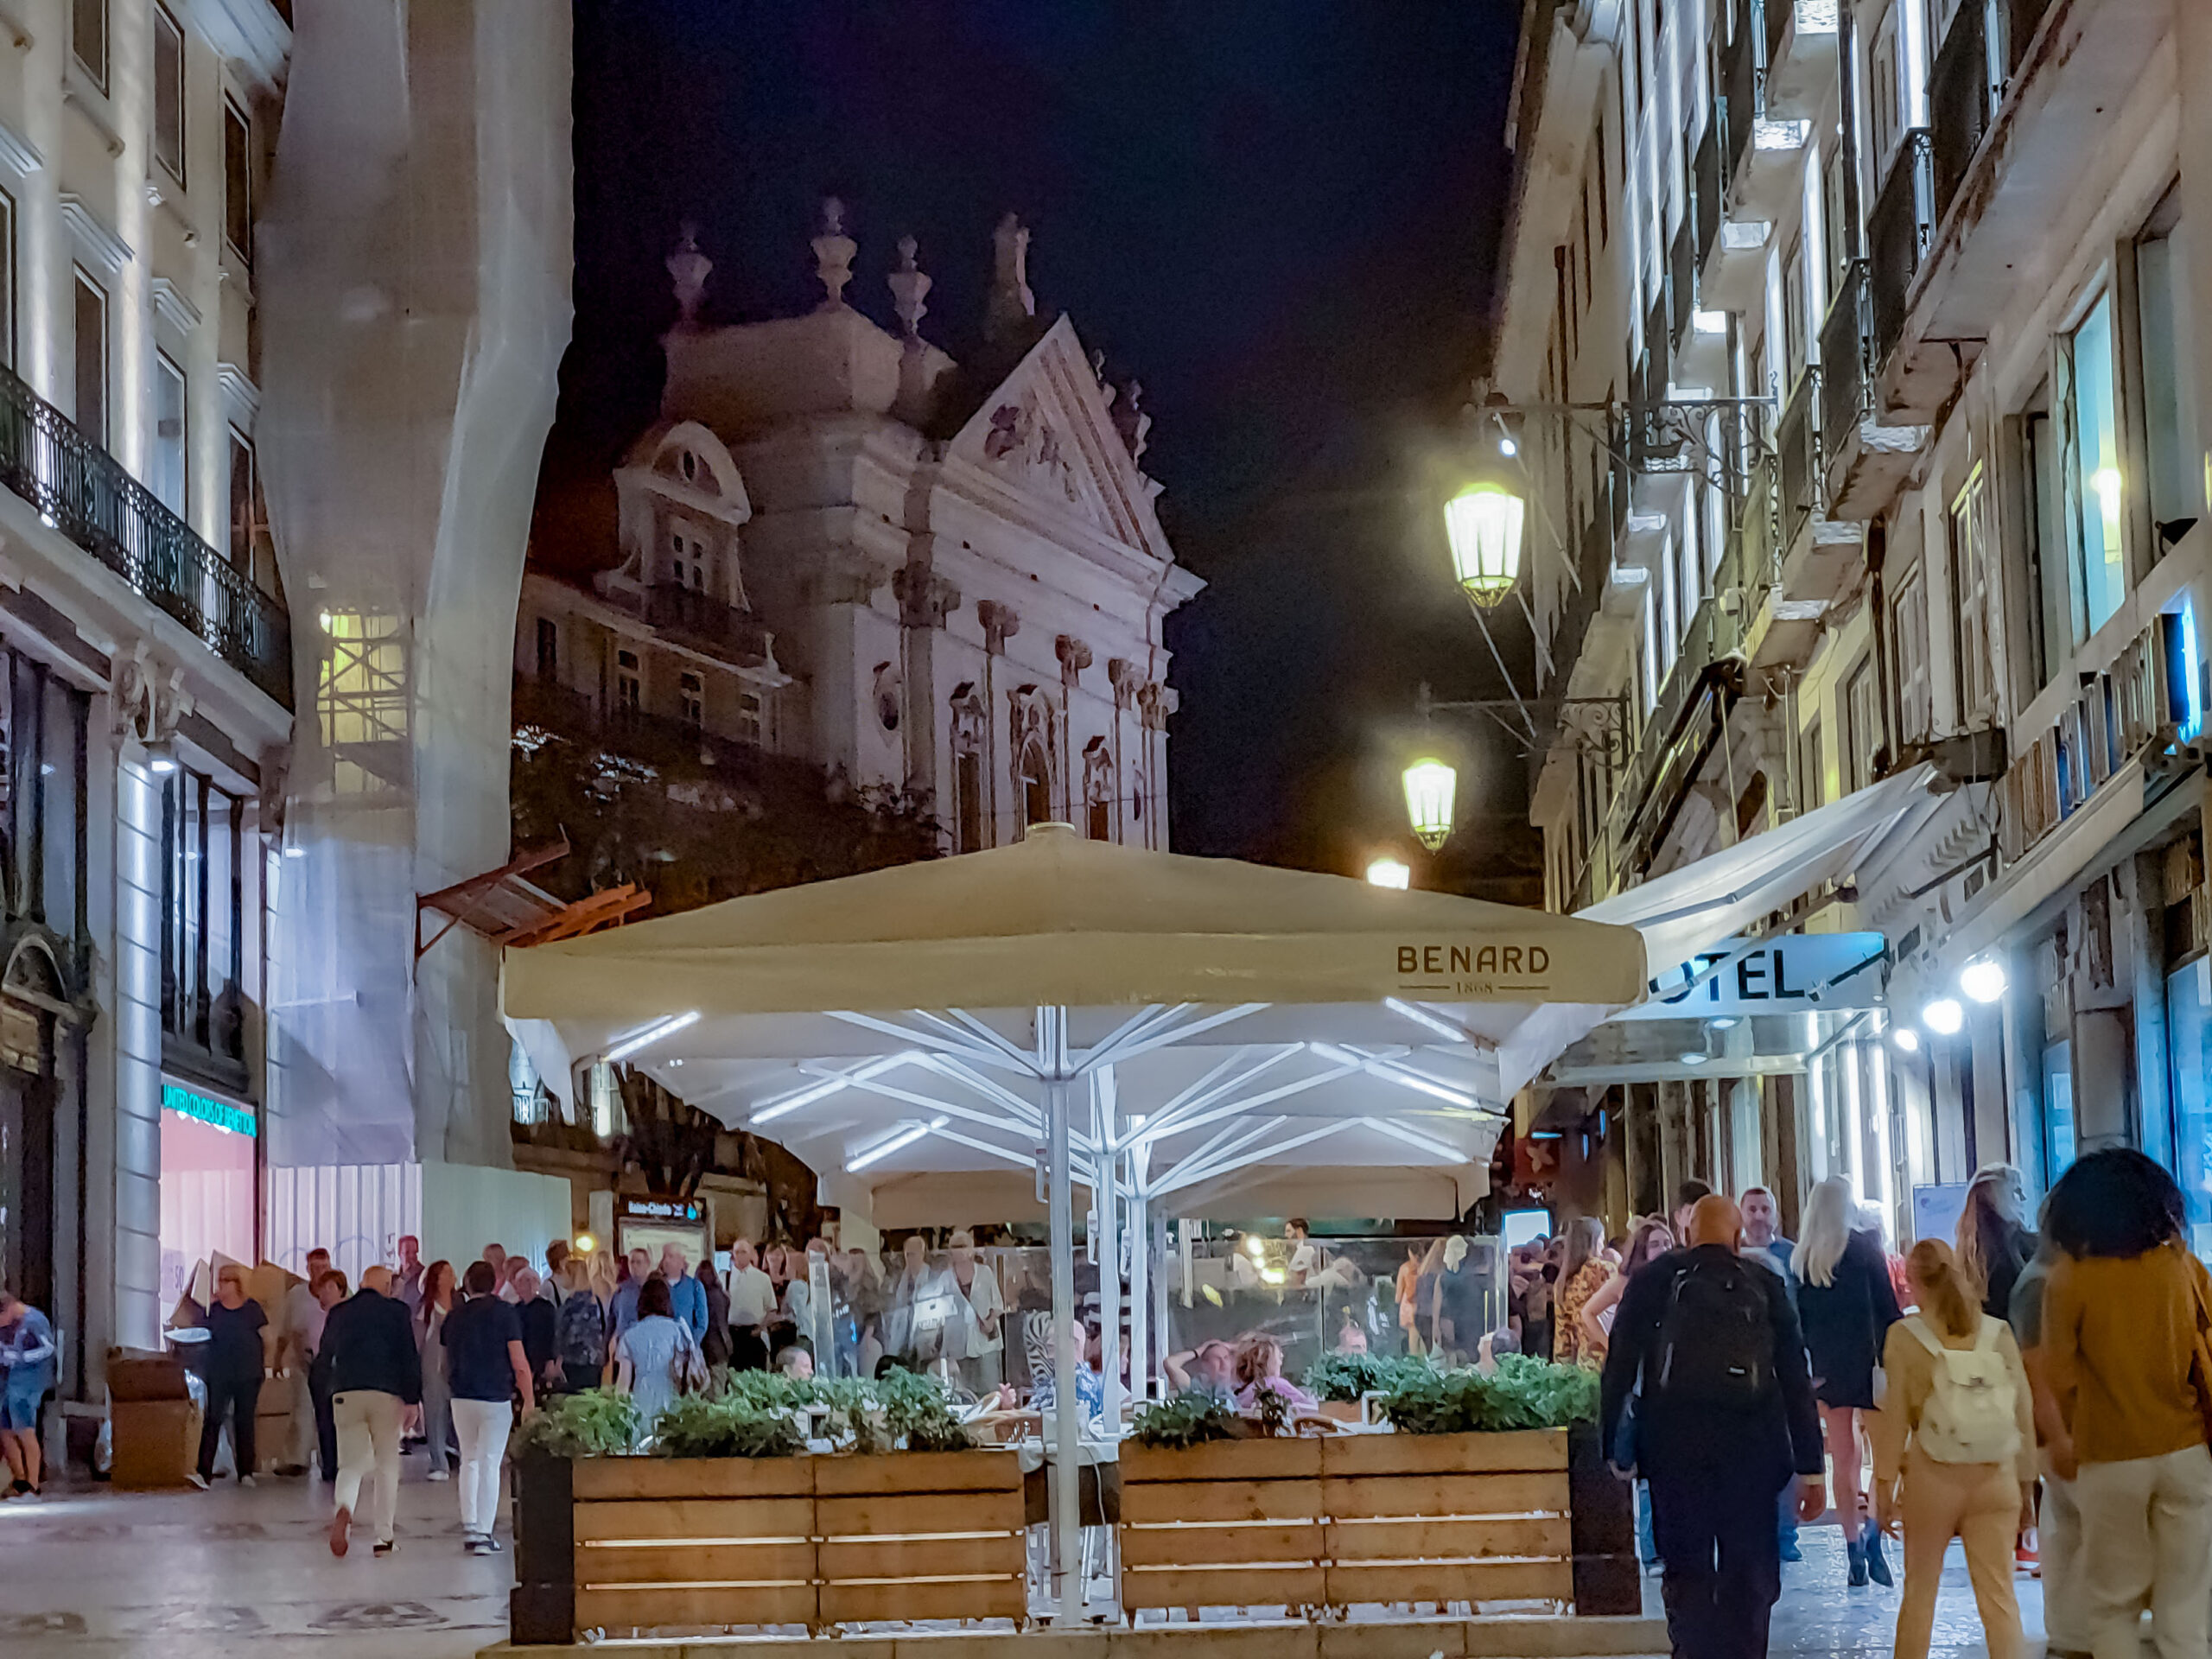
[(833, 255), (1075, 657), (1012, 305), (910, 287), (689, 268), (999, 624), (1130, 421)]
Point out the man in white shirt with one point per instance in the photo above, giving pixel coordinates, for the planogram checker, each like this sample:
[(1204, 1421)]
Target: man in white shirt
[(751, 1293), (301, 1335), (1305, 1258)]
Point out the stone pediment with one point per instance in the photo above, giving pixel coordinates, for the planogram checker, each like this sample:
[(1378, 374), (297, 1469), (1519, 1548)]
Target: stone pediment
[(1045, 432)]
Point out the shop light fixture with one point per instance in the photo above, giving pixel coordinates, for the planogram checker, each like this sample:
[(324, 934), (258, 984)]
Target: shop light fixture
[(585, 1244), (882, 1149), (1983, 979), (1721, 1022), (1389, 872), (1906, 1039), (1694, 1057), (1944, 1016), (161, 757), (649, 1036)]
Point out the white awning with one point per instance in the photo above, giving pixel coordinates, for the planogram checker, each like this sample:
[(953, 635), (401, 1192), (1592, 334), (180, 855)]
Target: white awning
[(1697, 907)]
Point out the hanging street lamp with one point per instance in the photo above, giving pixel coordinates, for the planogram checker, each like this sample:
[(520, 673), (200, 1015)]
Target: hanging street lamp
[(1483, 524), (1431, 789)]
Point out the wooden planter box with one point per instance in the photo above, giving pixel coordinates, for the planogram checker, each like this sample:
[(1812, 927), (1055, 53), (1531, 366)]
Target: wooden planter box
[(1447, 1517), (639, 1542), (1234, 1524), (687, 1542), (1388, 1518), (920, 1535)]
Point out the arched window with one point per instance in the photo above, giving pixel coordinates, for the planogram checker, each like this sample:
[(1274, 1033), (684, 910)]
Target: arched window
[(1036, 786)]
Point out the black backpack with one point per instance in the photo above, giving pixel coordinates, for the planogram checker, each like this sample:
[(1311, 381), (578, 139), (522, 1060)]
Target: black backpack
[(1716, 1348)]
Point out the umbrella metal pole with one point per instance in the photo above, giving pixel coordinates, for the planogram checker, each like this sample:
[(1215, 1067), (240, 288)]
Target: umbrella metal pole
[(1140, 1231), (1066, 1486), (1110, 1252)]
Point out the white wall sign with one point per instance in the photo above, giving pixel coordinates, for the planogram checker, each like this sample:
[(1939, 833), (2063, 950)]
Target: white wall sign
[(1790, 973)]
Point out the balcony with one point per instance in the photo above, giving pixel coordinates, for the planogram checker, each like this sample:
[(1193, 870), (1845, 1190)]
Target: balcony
[(1797, 450), (1898, 231), (2007, 160), (1737, 80), (82, 491), (1864, 462), (691, 617)]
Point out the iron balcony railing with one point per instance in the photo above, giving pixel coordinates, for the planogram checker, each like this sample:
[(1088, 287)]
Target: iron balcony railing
[(1797, 454), (85, 492), (705, 620), (1847, 371), (1898, 233)]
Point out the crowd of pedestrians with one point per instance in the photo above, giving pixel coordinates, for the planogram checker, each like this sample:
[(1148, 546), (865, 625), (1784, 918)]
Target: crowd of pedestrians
[(2044, 1399)]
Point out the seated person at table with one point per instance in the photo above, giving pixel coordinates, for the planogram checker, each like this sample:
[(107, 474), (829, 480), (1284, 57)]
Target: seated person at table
[(1211, 1367), (1090, 1387), (1259, 1366)]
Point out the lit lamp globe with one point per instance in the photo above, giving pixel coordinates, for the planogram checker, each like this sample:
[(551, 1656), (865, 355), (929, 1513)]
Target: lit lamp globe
[(1431, 787), (1387, 872), (1483, 523)]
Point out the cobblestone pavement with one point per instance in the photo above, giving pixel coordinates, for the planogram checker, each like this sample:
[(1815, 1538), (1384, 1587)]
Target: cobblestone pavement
[(1820, 1616), (94, 1573), (91, 1572)]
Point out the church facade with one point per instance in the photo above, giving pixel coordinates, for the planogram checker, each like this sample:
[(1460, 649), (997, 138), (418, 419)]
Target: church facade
[(944, 583)]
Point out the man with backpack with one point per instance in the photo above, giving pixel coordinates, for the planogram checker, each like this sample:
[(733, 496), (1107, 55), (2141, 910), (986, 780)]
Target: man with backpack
[(1723, 1417)]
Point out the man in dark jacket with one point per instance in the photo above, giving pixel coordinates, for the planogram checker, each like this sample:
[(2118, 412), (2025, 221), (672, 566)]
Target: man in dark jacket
[(376, 1382), (1724, 1418)]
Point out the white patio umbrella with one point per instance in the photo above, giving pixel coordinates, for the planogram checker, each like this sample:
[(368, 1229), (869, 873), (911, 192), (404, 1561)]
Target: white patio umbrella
[(1144, 1023)]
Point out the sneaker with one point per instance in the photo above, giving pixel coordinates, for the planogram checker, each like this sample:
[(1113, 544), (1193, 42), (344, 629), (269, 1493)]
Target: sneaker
[(248, 1480), (340, 1523), (440, 1474), (477, 1546), (197, 1478), (491, 1546), (383, 1547)]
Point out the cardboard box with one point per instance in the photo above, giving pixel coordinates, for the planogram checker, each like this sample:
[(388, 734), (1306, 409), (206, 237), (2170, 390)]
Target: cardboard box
[(157, 1443)]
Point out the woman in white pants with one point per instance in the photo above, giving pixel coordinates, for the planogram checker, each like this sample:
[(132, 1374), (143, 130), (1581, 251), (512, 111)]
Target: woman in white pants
[(488, 1368)]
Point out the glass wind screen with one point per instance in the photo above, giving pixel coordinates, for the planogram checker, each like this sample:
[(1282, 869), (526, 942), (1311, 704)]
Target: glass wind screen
[(2189, 1040)]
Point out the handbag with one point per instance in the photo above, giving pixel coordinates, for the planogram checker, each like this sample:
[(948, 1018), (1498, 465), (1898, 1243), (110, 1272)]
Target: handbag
[(687, 1368)]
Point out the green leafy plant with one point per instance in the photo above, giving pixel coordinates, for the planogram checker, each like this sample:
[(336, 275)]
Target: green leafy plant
[(725, 1426), (1522, 1393), (597, 1423), (1191, 1418), (917, 1412), (1347, 1376)]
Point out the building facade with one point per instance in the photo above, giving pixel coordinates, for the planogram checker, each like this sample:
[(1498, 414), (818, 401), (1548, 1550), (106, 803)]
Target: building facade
[(942, 584), (145, 654), (1897, 306)]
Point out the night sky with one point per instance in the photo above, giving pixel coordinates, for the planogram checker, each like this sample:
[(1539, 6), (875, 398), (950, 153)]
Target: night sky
[(1280, 215)]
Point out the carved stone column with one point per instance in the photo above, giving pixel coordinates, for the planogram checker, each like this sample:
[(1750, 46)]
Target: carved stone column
[(1121, 675), (999, 624), (925, 601), (1075, 657)]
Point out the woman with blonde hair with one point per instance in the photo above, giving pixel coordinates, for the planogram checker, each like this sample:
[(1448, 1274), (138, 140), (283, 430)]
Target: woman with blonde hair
[(1994, 1240), (1955, 1450), (1847, 1306), (1582, 1272), (604, 1280)]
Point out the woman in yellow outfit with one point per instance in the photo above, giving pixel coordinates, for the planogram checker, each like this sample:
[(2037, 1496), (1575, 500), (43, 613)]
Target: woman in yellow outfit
[(1954, 1456)]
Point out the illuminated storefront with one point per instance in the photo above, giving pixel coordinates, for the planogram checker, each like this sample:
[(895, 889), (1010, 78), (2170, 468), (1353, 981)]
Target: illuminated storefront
[(209, 1184)]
